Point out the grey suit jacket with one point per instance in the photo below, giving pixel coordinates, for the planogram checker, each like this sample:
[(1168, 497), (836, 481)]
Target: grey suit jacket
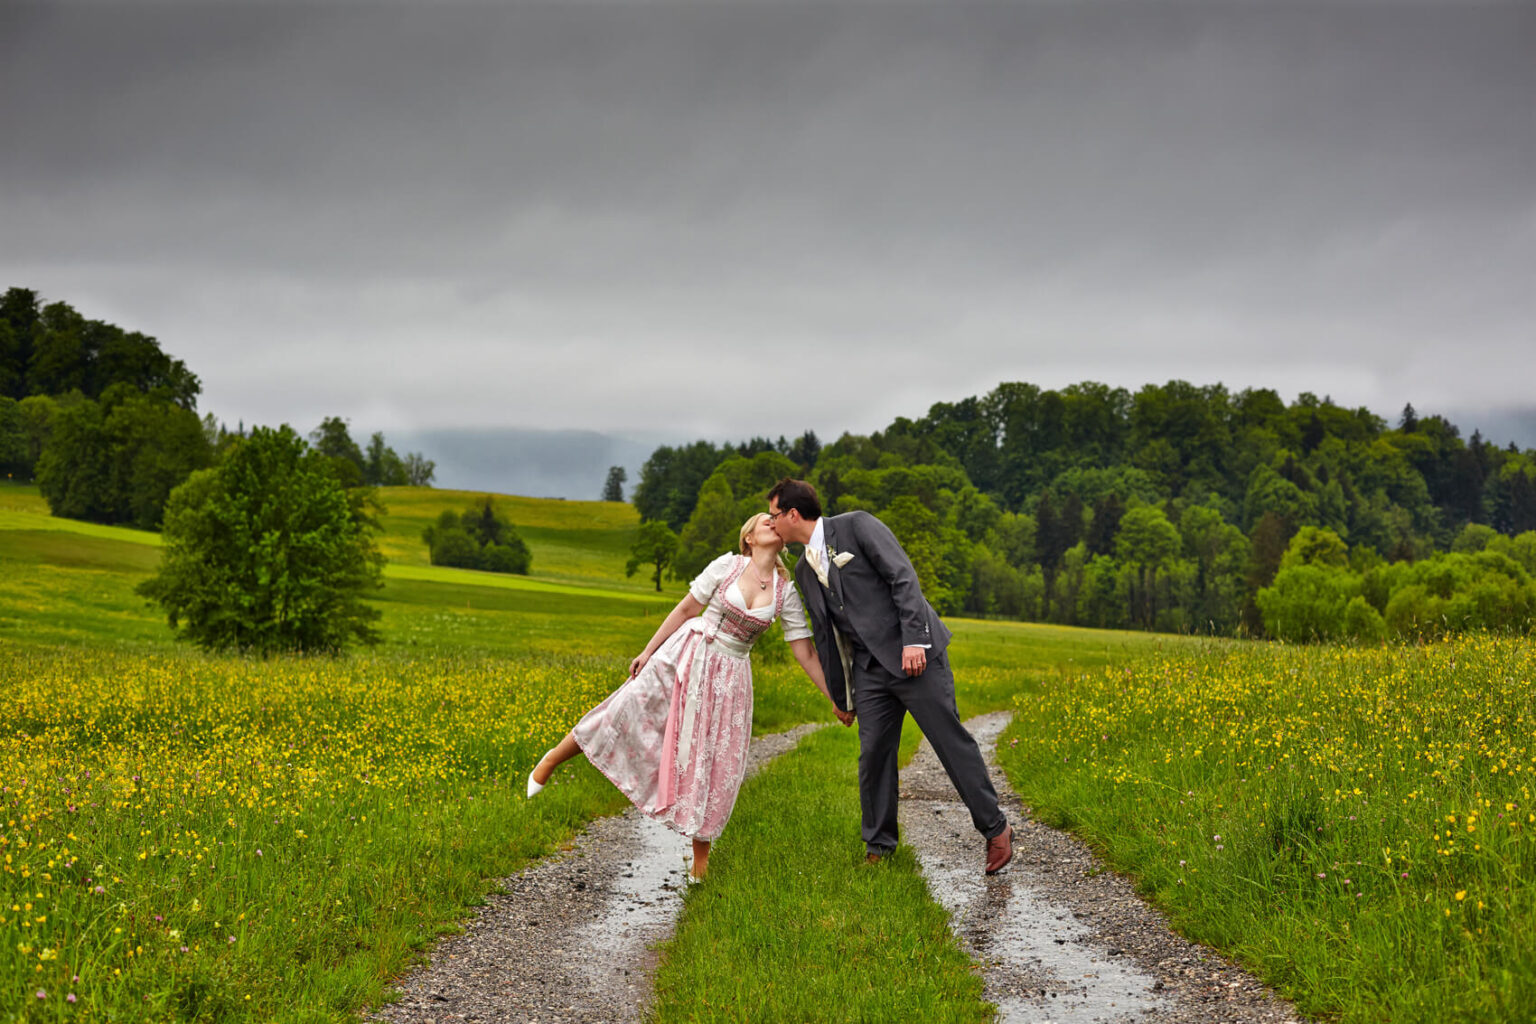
[(878, 592)]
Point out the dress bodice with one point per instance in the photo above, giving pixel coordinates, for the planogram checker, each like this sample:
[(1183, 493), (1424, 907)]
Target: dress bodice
[(726, 614), (731, 624)]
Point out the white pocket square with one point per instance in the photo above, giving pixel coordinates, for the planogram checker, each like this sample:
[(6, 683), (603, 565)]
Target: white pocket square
[(842, 558)]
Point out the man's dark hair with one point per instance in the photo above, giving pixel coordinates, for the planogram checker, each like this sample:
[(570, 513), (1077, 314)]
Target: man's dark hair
[(797, 495)]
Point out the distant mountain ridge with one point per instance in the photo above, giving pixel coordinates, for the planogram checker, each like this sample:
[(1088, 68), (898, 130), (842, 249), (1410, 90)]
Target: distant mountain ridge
[(571, 464), (1499, 426)]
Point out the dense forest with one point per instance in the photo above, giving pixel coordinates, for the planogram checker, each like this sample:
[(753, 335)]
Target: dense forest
[(1177, 507), (107, 425)]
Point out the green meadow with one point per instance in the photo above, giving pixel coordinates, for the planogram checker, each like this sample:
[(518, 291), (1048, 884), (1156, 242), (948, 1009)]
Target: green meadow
[(190, 837)]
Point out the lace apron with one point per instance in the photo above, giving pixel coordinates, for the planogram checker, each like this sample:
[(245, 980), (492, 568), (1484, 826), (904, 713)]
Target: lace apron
[(674, 738)]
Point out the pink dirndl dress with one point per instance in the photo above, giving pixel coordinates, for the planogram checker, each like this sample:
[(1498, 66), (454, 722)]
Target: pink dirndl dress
[(674, 738)]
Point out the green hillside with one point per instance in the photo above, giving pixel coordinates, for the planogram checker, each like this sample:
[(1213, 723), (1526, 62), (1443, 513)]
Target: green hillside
[(581, 541), (72, 582)]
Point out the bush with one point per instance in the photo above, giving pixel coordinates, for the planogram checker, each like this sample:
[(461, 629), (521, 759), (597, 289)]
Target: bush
[(1454, 592), (1520, 548), (479, 538), (1414, 612), (451, 545), (1307, 602), (266, 552), (1315, 545), (1474, 537), (1362, 623), (506, 558)]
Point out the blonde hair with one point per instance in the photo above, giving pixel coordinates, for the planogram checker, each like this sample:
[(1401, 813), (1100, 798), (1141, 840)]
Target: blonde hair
[(746, 548)]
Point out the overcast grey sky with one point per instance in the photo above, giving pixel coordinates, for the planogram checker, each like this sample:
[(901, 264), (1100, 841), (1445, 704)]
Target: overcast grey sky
[(724, 219)]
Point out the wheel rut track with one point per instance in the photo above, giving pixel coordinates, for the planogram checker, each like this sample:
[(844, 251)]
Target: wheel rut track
[(1060, 938), (573, 939)]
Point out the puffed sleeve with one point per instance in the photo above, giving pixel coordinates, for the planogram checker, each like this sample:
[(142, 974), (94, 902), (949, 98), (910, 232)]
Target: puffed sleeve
[(705, 583), (793, 617)]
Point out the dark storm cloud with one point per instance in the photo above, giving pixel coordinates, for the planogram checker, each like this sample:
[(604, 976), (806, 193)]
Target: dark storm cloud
[(751, 218)]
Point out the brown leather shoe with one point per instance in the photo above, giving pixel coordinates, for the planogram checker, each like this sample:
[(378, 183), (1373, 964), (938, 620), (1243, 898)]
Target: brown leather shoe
[(1000, 850), (873, 858)]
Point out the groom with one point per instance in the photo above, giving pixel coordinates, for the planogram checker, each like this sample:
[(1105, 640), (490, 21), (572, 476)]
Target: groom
[(882, 648)]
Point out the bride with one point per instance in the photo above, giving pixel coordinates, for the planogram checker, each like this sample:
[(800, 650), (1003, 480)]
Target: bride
[(674, 737)]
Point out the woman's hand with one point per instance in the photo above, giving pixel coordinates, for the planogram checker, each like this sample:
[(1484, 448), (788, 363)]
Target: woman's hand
[(638, 664), (846, 717)]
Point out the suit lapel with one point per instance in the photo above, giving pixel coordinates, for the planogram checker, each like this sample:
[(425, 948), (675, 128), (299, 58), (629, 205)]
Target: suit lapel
[(834, 578)]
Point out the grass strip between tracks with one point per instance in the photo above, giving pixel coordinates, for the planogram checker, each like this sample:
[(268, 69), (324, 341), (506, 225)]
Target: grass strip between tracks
[(792, 924)]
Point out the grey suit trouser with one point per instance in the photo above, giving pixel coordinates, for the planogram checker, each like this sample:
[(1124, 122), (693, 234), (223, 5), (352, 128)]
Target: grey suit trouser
[(883, 701)]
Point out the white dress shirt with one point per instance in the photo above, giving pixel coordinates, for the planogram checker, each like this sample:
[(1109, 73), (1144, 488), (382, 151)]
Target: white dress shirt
[(819, 541)]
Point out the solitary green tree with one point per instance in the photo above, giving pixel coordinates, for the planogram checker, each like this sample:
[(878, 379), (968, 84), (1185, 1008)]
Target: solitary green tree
[(613, 488), (655, 546), (267, 552)]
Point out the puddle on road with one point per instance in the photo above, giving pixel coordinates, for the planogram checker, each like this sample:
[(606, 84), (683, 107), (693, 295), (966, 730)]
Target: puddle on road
[(1034, 936), (647, 895)]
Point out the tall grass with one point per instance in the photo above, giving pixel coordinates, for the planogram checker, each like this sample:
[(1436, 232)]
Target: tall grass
[(228, 839), (1357, 824), (331, 815)]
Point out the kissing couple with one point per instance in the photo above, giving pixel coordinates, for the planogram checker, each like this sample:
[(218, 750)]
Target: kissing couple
[(674, 736)]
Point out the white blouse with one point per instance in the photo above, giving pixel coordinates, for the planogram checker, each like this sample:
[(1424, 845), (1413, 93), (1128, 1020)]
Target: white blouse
[(707, 582)]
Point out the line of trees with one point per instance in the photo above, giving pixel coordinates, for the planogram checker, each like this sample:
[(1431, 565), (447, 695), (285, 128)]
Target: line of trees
[(106, 423), (1172, 508), (1486, 581), (103, 419), (270, 540), (378, 466), (54, 350)]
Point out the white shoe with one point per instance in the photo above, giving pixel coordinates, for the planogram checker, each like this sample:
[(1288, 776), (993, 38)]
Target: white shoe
[(534, 787)]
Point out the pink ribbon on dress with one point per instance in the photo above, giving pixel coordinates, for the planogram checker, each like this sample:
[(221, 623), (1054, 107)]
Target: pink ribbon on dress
[(666, 790)]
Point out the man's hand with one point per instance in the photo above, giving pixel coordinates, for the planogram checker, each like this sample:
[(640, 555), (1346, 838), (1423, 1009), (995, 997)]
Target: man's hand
[(846, 717), (914, 660)]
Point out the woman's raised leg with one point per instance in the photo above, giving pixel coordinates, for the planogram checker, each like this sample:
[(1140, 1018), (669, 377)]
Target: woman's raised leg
[(554, 758)]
